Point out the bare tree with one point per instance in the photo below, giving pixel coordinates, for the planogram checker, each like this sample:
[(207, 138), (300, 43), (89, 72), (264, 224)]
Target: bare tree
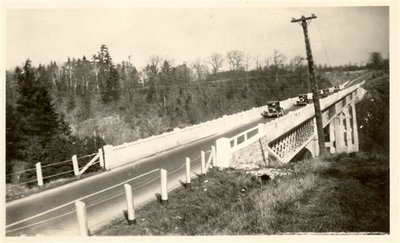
[(296, 62), (216, 61), (257, 62), (150, 74), (297, 67), (200, 69), (247, 61), (275, 62), (235, 59), (154, 64)]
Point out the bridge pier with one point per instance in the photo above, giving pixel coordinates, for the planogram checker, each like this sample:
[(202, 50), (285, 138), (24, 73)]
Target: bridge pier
[(343, 131), (355, 127), (348, 131), (332, 140), (313, 147), (339, 134)]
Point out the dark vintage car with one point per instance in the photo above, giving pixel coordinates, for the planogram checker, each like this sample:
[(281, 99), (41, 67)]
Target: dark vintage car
[(303, 100), (336, 89), (324, 93), (274, 110)]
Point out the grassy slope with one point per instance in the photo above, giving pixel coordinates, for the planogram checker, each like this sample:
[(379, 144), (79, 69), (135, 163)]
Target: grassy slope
[(373, 115), (338, 194)]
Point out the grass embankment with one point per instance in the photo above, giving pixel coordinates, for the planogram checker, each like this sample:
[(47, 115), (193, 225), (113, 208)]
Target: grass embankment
[(338, 194)]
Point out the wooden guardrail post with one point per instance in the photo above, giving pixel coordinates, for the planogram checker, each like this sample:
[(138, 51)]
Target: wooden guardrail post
[(164, 192), (188, 179), (203, 163), (39, 174), (129, 204), (75, 165), (82, 218)]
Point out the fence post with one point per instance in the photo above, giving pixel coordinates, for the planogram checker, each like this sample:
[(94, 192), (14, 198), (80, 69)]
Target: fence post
[(39, 175), (164, 192), (188, 179), (101, 158), (203, 163), (82, 218), (129, 204), (75, 165)]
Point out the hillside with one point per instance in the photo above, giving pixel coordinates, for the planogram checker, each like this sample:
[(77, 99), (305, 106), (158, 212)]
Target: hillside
[(373, 115)]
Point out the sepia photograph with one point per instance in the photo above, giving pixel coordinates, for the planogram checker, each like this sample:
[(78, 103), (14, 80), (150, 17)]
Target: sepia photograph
[(175, 119)]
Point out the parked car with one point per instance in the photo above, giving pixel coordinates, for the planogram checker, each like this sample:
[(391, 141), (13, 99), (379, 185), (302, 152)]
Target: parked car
[(274, 109), (304, 99)]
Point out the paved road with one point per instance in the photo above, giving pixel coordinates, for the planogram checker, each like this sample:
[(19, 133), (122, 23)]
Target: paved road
[(108, 204), (359, 79)]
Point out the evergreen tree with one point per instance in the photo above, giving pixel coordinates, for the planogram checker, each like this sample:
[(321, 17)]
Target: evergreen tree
[(111, 92), (38, 123)]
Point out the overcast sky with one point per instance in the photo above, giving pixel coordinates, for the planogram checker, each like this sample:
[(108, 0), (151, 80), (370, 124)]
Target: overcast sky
[(338, 36)]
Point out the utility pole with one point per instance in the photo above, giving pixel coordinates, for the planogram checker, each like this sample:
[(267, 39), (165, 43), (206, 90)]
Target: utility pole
[(314, 84)]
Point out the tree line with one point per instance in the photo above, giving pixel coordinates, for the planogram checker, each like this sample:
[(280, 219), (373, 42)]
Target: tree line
[(100, 74)]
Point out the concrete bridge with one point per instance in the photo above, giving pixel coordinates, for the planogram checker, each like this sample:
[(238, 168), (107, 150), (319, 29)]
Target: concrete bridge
[(293, 135)]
